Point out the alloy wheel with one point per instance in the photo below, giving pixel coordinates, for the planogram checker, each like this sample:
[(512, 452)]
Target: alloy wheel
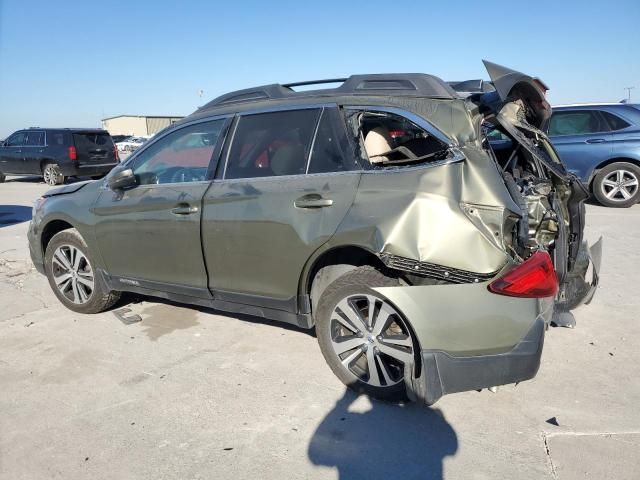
[(371, 340), (620, 185), (72, 274), (50, 175)]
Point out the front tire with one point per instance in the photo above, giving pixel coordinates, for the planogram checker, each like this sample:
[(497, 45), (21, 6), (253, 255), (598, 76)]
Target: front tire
[(364, 339), (52, 175), (72, 277), (617, 185)]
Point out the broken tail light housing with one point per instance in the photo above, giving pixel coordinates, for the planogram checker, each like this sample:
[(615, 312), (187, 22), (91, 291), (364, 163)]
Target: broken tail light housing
[(73, 154), (534, 278)]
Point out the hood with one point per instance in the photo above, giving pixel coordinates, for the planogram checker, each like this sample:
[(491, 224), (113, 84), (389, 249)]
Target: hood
[(74, 187)]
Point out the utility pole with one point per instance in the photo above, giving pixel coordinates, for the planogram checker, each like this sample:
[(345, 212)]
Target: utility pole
[(628, 89)]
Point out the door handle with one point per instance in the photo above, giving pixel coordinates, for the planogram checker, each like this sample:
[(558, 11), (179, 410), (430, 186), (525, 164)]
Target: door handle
[(312, 201), (184, 210), (596, 140)]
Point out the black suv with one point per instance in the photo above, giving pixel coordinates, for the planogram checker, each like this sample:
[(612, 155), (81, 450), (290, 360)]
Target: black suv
[(56, 153)]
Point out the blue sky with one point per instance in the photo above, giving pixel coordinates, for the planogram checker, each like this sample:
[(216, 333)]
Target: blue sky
[(72, 63)]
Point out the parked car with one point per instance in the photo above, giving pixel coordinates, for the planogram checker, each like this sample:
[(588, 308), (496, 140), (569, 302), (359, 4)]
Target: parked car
[(426, 263), (601, 144), (119, 138), (130, 144), (56, 153)]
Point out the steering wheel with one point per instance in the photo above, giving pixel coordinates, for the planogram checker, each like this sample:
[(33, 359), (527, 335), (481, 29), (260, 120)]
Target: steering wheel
[(181, 175)]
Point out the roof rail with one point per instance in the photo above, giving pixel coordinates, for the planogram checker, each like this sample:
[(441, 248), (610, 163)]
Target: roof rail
[(315, 82), (401, 84)]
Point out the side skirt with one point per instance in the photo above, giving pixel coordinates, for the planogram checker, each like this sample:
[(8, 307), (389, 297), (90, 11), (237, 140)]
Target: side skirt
[(204, 298)]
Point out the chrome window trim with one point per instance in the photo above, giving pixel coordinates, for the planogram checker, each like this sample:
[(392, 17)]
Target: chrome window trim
[(418, 120)]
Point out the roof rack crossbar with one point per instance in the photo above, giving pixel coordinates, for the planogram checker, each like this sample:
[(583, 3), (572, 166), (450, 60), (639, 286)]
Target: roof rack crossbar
[(314, 82)]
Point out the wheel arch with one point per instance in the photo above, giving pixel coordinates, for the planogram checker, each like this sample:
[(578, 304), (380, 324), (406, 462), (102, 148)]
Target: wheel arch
[(50, 229), (330, 264)]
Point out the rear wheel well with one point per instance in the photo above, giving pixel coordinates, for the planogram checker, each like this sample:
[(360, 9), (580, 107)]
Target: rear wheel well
[(335, 263), (50, 229), (632, 161)]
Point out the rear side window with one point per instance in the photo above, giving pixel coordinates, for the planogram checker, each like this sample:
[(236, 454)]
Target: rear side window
[(576, 122), (55, 138), (329, 144), (35, 139), (614, 121), (391, 139), (272, 144), (91, 140)]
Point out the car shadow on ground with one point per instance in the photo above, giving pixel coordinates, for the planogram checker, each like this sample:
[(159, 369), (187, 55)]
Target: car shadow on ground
[(388, 441), (13, 214)]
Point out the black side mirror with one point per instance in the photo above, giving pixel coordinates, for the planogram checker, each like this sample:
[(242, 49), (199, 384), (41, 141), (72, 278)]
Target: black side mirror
[(121, 179)]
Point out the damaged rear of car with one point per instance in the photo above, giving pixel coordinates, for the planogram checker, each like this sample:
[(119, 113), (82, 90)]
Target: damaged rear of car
[(482, 248)]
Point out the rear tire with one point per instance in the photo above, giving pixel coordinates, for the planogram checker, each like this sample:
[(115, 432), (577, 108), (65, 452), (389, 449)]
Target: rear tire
[(617, 185), (72, 277), (52, 175), (367, 358)]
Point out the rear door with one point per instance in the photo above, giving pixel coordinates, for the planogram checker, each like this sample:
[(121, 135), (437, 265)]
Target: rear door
[(149, 235), (286, 186), (11, 155), (582, 138), (34, 151), (94, 148)]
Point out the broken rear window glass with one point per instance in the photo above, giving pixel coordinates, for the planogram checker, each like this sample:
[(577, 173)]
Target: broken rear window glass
[(393, 139)]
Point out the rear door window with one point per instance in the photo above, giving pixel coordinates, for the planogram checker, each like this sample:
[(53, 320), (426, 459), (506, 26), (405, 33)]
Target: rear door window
[(272, 144), (330, 145), (578, 122), (35, 139)]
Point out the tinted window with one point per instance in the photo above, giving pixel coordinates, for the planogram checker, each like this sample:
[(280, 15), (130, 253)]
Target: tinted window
[(55, 138), (89, 140), (576, 123), (327, 152), (35, 139), (271, 144), (17, 139), (614, 122), (181, 156)]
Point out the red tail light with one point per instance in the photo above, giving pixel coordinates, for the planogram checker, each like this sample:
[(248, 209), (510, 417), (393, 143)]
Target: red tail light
[(533, 278), (73, 154), (115, 151)]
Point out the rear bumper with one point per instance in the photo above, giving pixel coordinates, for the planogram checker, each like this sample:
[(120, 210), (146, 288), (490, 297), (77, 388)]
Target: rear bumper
[(74, 170), (443, 374), (469, 338)]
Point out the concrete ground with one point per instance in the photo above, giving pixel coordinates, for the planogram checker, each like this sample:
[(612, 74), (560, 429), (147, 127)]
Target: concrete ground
[(193, 394)]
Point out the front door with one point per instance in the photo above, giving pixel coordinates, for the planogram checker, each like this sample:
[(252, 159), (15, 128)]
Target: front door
[(11, 154), (284, 191), (149, 236)]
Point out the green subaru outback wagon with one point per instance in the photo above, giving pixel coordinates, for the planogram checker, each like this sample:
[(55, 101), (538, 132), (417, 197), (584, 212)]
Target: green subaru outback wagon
[(376, 212)]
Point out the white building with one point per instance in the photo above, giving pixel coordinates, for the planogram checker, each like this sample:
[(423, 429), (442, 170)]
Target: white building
[(137, 125)]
